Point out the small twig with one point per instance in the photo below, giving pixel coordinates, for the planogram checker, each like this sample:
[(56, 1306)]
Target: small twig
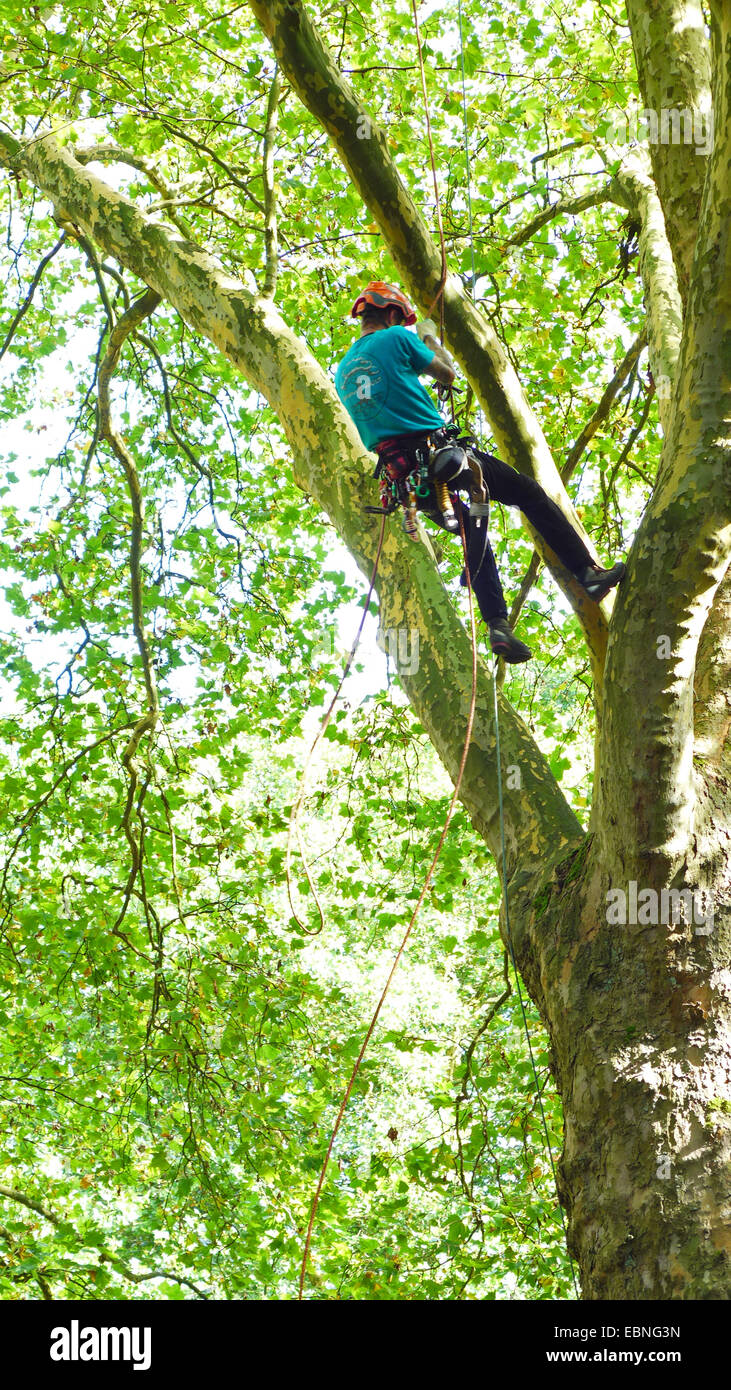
[(25, 306), (106, 1256), (626, 366), (633, 436), (201, 146), (527, 583), (467, 1187), (140, 310)]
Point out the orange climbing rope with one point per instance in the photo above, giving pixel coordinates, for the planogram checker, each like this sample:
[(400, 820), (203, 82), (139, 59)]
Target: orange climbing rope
[(468, 734), (407, 933)]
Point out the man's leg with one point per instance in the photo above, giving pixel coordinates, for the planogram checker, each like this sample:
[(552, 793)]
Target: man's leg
[(486, 586), (505, 484), (484, 579), (484, 576)]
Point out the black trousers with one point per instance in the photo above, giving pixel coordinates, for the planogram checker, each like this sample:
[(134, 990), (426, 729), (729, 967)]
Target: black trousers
[(505, 484)]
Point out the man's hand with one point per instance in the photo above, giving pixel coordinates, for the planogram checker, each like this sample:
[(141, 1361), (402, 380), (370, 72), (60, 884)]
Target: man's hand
[(442, 368), (427, 329)]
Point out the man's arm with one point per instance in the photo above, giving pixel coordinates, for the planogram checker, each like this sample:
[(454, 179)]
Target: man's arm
[(441, 368)]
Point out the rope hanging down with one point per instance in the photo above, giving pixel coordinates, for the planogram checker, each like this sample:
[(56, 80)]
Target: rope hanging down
[(503, 874), (407, 933), (468, 734)]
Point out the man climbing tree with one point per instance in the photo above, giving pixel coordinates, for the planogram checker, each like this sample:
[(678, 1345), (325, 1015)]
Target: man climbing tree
[(378, 383), (186, 206)]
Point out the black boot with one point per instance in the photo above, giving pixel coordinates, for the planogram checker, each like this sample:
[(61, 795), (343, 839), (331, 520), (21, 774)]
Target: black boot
[(598, 582), (504, 644)]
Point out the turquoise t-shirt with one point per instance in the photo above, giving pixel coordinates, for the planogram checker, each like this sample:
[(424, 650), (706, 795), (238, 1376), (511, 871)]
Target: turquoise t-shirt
[(378, 383)]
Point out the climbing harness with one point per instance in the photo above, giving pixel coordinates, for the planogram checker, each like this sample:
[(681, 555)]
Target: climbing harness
[(403, 472), (425, 474)]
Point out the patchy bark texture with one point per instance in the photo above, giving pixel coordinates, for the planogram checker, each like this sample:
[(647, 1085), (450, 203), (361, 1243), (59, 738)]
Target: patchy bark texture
[(674, 68), (363, 149), (635, 190), (638, 1016)]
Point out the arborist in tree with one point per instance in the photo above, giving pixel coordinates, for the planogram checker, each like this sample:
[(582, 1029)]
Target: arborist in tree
[(423, 464)]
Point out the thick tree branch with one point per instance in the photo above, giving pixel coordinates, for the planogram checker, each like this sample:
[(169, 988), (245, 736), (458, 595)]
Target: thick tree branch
[(269, 283), (114, 154), (683, 546), (330, 466), (363, 149), (565, 207), (674, 68), (635, 190)]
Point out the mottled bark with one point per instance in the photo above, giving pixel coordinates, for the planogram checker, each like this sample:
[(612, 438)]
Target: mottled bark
[(674, 69), (330, 466), (681, 552), (634, 189), (363, 148), (638, 1015), (712, 682)]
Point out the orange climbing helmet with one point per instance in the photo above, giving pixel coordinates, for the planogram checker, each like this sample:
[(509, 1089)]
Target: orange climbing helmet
[(383, 296)]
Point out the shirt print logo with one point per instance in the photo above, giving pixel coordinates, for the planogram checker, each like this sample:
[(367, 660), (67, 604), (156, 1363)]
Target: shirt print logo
[(365, 387)]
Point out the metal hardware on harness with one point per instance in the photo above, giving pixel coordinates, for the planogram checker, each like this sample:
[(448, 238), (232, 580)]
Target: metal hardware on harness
[(480, 506), (408, 474), (444, 503), (405, 480), (410, 524)]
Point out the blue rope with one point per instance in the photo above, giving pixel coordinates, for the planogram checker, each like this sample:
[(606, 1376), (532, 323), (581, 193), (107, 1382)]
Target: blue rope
[(508, 933)]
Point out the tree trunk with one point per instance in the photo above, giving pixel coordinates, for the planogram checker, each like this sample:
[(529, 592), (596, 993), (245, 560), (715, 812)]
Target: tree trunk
[(637, 1012)]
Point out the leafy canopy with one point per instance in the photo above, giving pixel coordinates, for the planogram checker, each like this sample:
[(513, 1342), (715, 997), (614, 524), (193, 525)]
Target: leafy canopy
[(173, 1044)]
